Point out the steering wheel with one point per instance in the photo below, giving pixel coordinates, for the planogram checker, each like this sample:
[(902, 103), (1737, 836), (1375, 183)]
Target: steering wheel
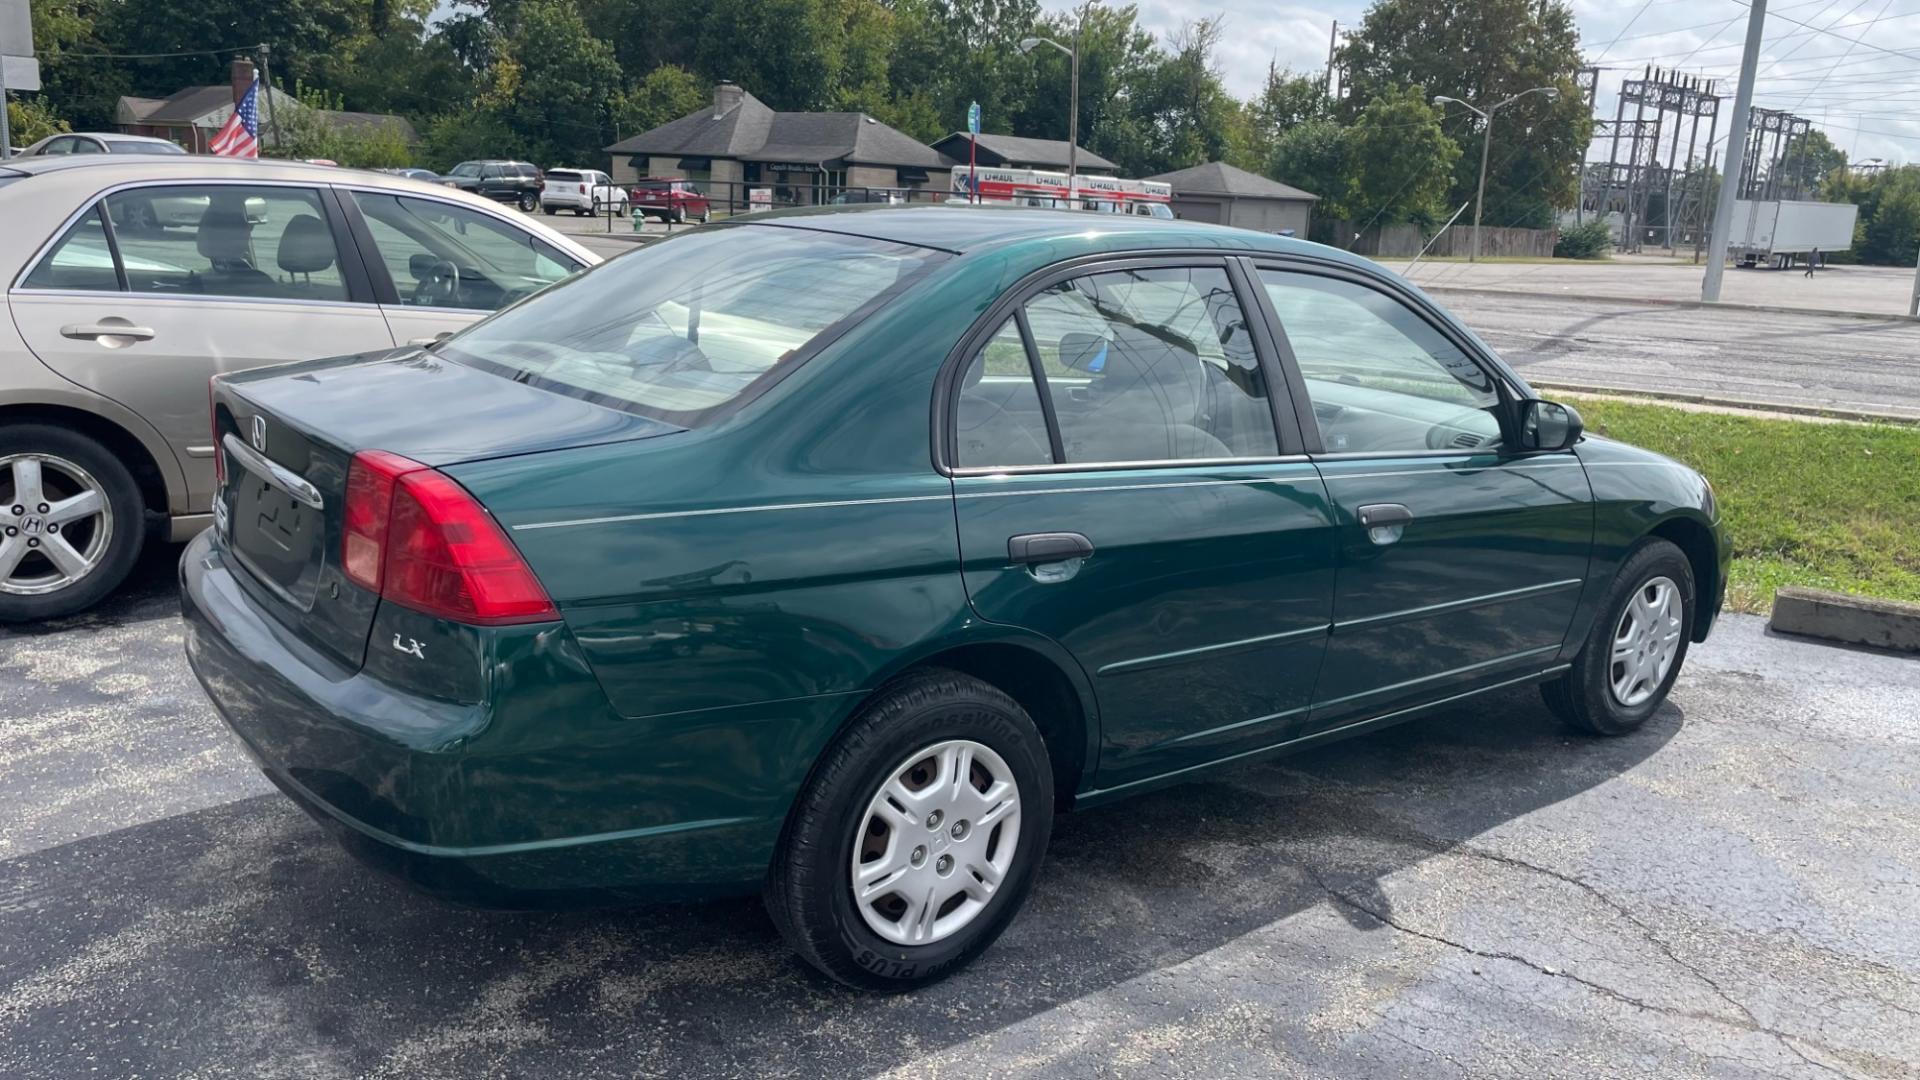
[(440, 288)]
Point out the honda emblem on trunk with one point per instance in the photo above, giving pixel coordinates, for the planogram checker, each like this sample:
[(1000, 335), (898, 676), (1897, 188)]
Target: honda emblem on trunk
[(259, 434)]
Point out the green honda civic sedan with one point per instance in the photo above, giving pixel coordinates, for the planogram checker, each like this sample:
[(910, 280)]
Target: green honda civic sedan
[(831, 554)]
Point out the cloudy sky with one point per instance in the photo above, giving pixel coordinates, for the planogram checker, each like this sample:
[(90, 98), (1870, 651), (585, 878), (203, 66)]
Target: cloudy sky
[(1864, 92)]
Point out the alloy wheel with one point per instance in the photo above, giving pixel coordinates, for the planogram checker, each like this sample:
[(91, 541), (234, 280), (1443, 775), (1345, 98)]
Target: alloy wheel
[(55, 524), (1645, 642), (936, 841)]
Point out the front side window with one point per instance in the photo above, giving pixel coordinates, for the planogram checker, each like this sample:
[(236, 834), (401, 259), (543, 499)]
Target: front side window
[(1152, 364), (1381, 379), (227, 240), (998, 420), (81, 260), (443, 255), (685, 326)]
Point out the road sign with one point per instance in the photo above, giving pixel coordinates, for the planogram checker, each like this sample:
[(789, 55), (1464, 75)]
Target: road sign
[(973, 119), (18, 69)]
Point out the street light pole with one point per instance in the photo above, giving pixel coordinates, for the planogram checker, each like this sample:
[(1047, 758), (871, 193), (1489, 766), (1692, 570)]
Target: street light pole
[(1486, 145), (1027, 45), (1073, 115)]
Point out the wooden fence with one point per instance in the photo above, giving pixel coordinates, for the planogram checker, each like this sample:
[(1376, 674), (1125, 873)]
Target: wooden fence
[(1404, 241)]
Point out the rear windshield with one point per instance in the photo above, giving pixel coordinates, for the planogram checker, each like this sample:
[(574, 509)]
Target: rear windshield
[(684, 327), (563, 174)]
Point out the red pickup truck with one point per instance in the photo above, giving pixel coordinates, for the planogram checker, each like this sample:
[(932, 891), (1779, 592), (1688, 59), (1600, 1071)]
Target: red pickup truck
[(670, 200)]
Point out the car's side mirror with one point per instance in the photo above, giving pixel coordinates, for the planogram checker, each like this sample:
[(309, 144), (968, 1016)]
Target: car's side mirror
[(1548, 425)]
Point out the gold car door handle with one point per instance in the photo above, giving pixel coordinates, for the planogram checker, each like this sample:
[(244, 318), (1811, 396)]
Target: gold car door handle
[(423, 342), (97, 331)]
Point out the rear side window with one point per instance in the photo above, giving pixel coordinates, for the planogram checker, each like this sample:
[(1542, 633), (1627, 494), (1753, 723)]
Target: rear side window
[(1000, 420), (681, 328), (81, 260), (1153, 364), (227, 240)]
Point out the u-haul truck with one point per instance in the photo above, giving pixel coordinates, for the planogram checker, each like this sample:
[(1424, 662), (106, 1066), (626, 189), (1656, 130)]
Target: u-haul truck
[(1034, 187)]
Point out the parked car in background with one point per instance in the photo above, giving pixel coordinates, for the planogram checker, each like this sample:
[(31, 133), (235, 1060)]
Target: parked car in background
[(671, 200), (423, 175), (131, 283), (583, 191), (100, 142), (514, 182), (826, 554)]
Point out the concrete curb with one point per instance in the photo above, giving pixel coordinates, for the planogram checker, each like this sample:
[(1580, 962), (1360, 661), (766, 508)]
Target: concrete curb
[(1752, 404), (1851, 620), (1684, 305)]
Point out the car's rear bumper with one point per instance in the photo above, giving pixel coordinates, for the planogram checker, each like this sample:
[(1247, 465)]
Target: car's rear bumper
[(472, 802)]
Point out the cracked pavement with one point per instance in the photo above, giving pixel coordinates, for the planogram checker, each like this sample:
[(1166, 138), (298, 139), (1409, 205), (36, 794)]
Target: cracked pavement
[(1731, 892)]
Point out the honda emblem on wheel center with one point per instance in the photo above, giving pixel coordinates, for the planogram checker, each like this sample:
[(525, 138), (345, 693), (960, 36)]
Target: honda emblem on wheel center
[(259, 434)]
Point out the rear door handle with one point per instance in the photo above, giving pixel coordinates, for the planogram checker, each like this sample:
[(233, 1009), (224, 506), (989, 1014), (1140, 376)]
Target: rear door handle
[(1034, 548), (97, 331), (1384, 522)]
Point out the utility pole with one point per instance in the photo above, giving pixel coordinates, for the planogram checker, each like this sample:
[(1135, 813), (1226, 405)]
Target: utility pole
[(6, 131), (1073, 113), (1913, 305), (1333, 44), (266, 83), (1736, 143)]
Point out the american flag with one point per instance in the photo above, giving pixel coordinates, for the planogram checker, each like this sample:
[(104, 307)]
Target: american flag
[(240, 136)]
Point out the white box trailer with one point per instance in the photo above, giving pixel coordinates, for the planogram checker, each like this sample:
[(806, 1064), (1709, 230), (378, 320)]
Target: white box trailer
[(1777, 231)]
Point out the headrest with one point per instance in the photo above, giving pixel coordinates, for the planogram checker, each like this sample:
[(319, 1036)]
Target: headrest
[(306, 247), (224, 231)]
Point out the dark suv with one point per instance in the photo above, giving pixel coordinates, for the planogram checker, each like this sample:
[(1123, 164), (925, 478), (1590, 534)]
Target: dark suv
[(515, 182)]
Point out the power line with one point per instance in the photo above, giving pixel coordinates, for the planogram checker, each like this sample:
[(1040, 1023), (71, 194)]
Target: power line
[(1842, 37), (1624, 29), (151, 56)]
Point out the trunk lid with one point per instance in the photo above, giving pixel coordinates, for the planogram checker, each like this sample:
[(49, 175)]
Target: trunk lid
[(287, 436)]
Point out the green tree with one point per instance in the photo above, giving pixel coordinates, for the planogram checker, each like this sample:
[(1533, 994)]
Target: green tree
[(29, 120), (1312, 156), (1810, 166), (1483, 53), (1285, 102), (1400, 161), (563, 79), (306, 132), (1181, 105), (667, 93)]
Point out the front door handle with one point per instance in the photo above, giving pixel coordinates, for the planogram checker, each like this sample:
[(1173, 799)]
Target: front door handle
[(1384, 522), (96, 331), (1055, 547)]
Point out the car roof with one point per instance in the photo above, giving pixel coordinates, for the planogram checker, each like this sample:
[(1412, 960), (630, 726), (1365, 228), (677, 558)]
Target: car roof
[(966, 228)]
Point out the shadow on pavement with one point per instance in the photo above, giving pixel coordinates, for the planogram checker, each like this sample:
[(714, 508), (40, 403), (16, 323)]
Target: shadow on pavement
[(241, 940)]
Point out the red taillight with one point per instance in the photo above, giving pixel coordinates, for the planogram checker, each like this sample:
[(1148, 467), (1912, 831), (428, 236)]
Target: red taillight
[(420, 540), (583, 189)]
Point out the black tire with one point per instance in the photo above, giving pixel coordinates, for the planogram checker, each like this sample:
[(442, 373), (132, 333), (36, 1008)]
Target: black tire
[(677, 216), (1583, 697), (549, 210), (128, 515), (528, 200), (808, 891)]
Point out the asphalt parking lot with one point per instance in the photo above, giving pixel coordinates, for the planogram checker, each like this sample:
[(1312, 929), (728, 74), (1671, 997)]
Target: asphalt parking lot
[(1729, 893)]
